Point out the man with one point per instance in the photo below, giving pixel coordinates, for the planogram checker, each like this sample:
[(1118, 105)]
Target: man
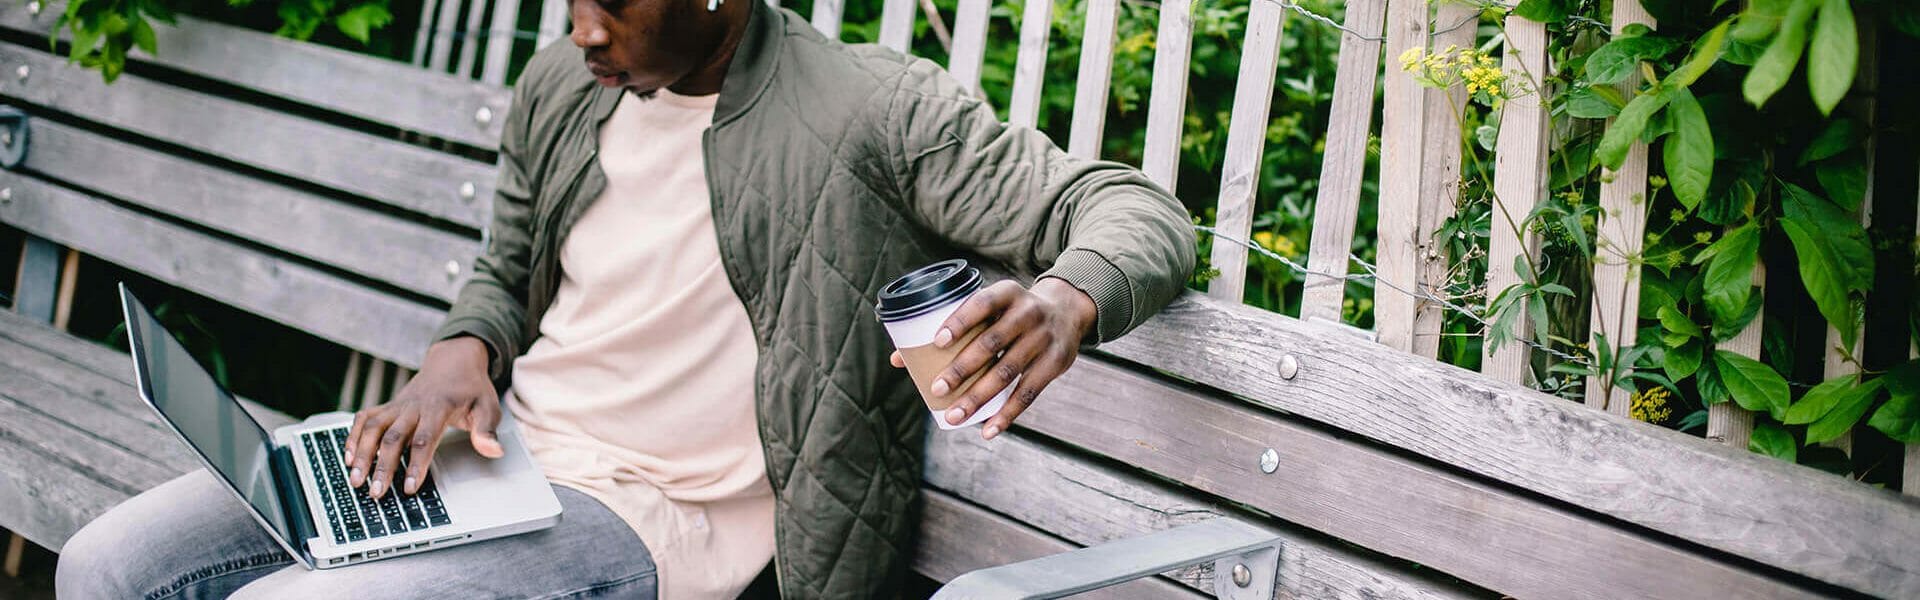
[(698, 203)]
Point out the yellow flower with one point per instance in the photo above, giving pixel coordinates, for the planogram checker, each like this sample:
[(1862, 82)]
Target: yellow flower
[(1650, 405), (1264, 239), (1410, 58), (1284, 245)]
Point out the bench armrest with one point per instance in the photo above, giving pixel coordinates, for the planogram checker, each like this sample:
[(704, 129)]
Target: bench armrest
[(1246, 562)]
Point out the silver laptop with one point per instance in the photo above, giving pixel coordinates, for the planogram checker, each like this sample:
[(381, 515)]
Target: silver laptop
[(294, 480)]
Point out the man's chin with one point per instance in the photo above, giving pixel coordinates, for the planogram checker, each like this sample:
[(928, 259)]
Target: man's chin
[(640, 94)]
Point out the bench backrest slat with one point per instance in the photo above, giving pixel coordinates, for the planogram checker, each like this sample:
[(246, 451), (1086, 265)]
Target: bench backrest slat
[(1246, 140), (291, 293), (405, 176), (377, 90), (1336, 208), (407, 255)]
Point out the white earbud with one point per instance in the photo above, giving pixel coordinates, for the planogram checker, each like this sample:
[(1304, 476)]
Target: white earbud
[(713, 5)]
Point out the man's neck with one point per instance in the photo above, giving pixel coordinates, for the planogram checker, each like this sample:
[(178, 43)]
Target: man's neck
[(708, 79)]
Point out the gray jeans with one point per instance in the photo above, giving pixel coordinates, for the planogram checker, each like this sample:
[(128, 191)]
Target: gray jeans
[(188, 538)]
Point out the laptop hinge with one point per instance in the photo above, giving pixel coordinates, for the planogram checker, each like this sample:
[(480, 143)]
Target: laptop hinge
[(293, 499)]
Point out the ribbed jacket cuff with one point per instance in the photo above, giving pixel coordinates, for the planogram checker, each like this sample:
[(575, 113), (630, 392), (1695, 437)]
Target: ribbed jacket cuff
[(1112, 293)]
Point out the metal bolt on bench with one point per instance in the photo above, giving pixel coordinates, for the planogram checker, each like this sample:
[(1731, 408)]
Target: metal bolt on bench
[(1246, 564)]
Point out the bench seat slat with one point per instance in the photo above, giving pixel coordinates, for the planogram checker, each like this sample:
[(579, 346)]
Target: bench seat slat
[(77, 396), (290, 293), (404, 176), (374, 245), (362, 86), (957, 537)]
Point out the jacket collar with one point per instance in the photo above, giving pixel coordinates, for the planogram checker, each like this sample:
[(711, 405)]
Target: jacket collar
[(754, 63)]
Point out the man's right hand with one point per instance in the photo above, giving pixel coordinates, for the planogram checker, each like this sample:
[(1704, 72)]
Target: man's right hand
[(451, 390)]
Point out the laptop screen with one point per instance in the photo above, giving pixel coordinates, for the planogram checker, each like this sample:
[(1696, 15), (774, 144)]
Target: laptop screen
[(206, 415)]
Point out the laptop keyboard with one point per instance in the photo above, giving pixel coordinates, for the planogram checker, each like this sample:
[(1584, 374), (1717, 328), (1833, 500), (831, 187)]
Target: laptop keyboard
[(354, 515)]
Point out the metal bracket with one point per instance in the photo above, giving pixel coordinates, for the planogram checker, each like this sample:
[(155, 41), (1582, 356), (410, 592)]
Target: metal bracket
[(13, 136), (1228, 543), (1249, 576)]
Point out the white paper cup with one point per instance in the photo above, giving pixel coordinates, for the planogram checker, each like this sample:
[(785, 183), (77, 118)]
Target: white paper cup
[(913, 308)]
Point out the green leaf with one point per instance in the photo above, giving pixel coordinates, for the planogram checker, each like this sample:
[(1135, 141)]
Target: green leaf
[(1542, 11), (1772, 440), (1683, 360), (1845, 413), (1677, 322), (1844, 180), (1725, 328), (1729, 277), (1836, 259), (1838, 136), (1753, 384), (1689, 151), (1760, 19), (360, 21), (143, 37), (1705, 52), (1834, 55), (1776, 65), (1712, 389), (1899, 418), (1593, 101), (1612, 63), (1820, 400), (1626, 128)]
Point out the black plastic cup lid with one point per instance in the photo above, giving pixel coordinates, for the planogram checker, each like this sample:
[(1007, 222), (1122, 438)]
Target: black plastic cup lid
[(927, 288)]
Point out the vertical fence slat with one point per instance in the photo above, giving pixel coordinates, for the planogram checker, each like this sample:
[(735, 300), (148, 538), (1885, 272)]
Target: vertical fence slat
[(1519, 184), (896, 24), (443, 31), (1167, 100), (1246, 140), (1030, 69), (1404, 104), (1860, 102), (424, 35), (969, 42), (1439, 174), (826, 17), (35, 283), (553, 22), (1096, 71), (500, 36), (471, 35), (401, 375), (1616, 283), (1344, 164), (1727, 423), (375, 389), (350, 382), (63, 299)]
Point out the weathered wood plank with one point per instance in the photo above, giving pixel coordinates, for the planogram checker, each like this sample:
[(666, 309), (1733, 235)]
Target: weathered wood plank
[(1088, 503), (1030, 68), (368, 243), (957, 537), (76, 384), (1401, 153), (365, 87), (896, 24), (1095, 77), (553, 22), (1246, 141), (969, 42), (375, 392), (290, 293), (123, 451), (1368, 497), (1777, 514), (1519, 184), (500, 39), (36, 283), (349, 383), (1439, 176), (1617, 242), (63, 299), (826, 17), (1727, 423), (44, 496), (1167, 100), (1344, 164), (405, 176)]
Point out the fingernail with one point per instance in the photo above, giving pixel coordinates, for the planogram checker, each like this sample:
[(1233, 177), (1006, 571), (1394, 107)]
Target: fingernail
[(355, 475), (990, 431), (349, 456), (378, 487), (410, 486), (943, 338), (940, 387), (956, 415)]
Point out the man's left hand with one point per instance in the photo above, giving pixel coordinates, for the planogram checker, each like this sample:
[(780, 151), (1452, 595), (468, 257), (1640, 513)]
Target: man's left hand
[(1032, 335)]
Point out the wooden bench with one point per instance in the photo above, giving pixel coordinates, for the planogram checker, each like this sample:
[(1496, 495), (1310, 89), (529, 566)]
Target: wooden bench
[(238, 175)]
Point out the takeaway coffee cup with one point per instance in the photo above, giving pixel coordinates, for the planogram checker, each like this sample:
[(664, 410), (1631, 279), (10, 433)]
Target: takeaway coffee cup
[(913, 307)]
